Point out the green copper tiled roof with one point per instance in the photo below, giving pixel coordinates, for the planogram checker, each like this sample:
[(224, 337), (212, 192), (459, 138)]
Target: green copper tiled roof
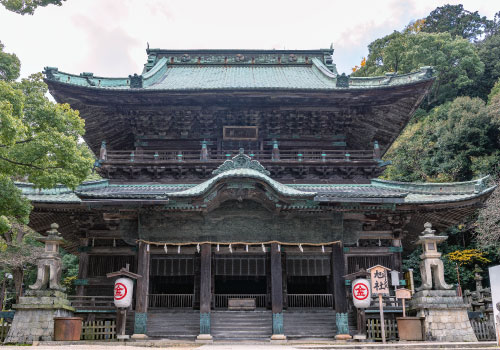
[(182, 77), (378, 191)]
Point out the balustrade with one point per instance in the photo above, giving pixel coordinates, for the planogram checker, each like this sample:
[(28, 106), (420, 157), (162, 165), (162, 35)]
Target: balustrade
[(170, 300), (176, 156), (310, 300), (221, 299), (92, 302)]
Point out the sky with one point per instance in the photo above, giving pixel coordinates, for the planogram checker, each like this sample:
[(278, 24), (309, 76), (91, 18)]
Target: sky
[(109, 37)]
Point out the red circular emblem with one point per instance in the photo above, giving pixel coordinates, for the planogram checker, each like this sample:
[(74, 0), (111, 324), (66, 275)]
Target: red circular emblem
[(360, 291), (120, 291)]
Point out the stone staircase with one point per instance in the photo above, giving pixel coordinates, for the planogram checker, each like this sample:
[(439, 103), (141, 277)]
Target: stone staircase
[(312, 323), (242, 325), (173, 324)]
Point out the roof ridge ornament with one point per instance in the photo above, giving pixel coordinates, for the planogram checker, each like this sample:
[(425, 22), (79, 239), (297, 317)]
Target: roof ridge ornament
[(241, 161)]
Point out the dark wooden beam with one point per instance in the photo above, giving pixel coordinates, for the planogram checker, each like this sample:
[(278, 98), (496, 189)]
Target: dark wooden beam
[(339, 292), (276, 290), (205, 288), (141, 301), (83, 268)]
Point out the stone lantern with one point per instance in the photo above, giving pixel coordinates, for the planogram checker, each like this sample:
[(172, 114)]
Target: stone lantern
[(431, 266), (445, 313), (49, 264), (35, 313)]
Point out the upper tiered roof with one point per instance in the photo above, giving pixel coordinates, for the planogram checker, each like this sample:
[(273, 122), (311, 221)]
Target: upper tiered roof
[(185, 96), (228, 69)]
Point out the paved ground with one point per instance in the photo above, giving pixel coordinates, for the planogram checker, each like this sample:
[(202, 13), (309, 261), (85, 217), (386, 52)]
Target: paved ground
[(260, 346)]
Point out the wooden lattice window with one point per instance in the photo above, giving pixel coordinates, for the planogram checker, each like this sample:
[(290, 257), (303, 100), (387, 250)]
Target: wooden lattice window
[(100, 265), (174, 265), (366, 261), (240, 265), (308, 265)]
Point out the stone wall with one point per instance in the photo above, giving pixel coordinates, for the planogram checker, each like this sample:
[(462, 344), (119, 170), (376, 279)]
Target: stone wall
[(445, 313), (34, 317)]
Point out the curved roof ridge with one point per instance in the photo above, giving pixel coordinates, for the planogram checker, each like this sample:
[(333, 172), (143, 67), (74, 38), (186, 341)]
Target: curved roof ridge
[(320, 66), (204, 187), (464, 187)]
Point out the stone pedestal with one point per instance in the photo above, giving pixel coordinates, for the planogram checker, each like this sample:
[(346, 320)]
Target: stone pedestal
[(446, 317), (34, 317)]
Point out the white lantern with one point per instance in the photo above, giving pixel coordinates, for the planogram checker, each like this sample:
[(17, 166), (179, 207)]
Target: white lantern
[(123, 292), (361, 293)]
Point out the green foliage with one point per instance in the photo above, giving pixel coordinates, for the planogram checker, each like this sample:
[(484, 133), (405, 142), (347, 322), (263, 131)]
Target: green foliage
[(457, 64), (9, 65), (489, 53), (457, 21), (28, 6), (70, 271), (495, 91), (39, 142), (456, 141)]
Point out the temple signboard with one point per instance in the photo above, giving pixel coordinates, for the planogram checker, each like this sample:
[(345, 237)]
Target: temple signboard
[(379, 280)]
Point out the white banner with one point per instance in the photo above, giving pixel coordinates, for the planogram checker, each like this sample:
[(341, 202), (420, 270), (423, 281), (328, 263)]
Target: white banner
[(495, 296)]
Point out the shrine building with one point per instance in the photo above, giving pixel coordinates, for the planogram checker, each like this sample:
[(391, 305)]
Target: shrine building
[(242, 186)]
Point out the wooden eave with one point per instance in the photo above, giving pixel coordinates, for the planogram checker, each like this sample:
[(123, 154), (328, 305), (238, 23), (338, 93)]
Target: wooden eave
[(381, 112)]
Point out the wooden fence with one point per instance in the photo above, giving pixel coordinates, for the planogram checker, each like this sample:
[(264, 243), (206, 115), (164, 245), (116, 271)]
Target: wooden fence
[(374, 331), (98, 330), (484, 328), (4, 329)]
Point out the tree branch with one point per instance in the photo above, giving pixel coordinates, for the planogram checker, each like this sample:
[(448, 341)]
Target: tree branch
[(29, 165), (17, 143)]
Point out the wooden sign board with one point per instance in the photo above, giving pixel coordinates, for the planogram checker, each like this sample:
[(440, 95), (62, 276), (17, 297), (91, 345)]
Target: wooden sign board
[(403, 293), (379, 279)]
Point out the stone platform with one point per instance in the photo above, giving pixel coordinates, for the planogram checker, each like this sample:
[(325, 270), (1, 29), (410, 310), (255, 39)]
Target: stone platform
[(34, 317), (445, 313)]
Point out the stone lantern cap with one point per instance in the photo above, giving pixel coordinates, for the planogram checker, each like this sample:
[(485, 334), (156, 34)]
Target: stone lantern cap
[(53, 236), (429, 236)]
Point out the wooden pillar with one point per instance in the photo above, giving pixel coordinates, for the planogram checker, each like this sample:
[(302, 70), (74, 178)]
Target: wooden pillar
[(205, 292), (141, 299), (83, 267), (277, 292), (339, 292)]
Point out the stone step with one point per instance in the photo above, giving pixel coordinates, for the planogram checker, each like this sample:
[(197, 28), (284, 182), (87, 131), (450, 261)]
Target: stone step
[(241, 325), (174, 324)]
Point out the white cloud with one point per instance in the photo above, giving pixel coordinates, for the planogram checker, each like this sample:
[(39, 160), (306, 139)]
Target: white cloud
[(109, 37)]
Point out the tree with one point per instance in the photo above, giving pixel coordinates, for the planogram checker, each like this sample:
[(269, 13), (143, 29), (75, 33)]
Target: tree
[(495, 91), (457, 64), (489, 53), (39, 143), (28, 6), (457, 21), (453, 142)]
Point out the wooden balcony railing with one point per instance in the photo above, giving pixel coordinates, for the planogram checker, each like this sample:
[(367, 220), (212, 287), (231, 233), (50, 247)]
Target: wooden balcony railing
[(170, 300), (221, 299), (92, 303), (310, 300), (178, 156)]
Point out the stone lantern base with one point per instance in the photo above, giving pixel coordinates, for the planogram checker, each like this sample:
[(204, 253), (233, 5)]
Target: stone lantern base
[(34, 317), (445, 313)]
